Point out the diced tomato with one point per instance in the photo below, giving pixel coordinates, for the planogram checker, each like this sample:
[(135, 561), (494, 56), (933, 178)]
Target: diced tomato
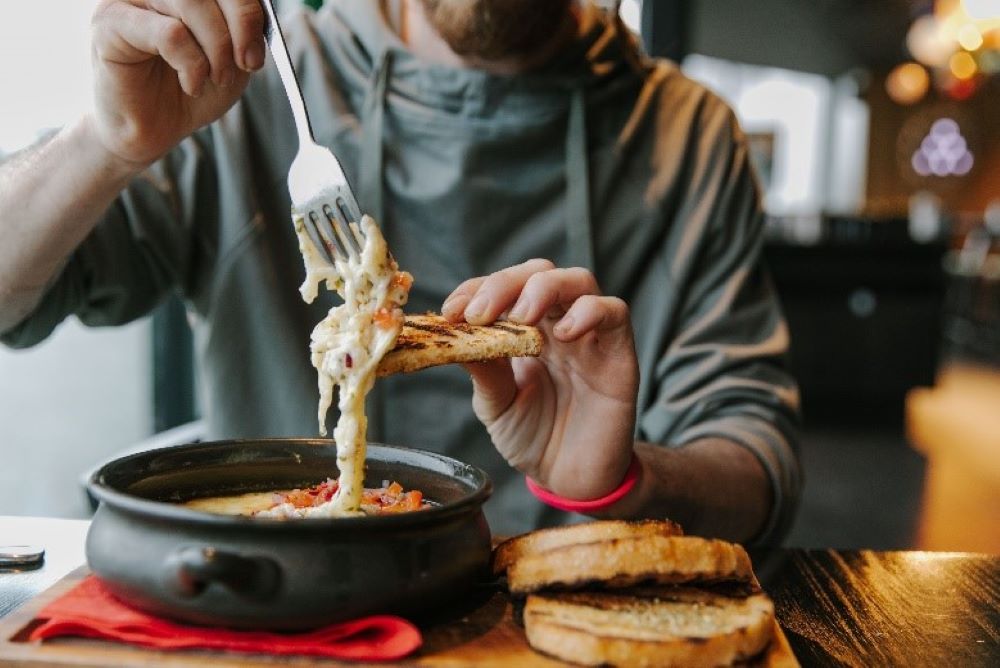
[(388, 499), (402, 280), (384, 318), (311, 496)]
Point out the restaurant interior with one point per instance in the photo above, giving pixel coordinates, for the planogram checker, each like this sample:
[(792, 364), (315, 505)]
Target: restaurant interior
[(875, 135)]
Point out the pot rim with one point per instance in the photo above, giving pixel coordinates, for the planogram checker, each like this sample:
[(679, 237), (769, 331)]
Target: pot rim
[(151, 508)]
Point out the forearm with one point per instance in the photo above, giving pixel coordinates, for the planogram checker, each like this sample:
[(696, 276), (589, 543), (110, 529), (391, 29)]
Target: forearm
[(712, 487), (51, 196)]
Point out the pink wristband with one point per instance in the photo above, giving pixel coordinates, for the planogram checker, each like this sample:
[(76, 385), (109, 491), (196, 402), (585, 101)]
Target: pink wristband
[(589, 506)]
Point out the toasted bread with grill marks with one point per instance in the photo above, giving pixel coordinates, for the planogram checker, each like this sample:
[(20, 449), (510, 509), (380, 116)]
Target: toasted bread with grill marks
[(672, 627), (539, 541), (431, 340), (625, 562)]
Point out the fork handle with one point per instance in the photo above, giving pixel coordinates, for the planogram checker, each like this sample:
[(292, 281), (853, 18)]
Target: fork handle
[(279, 51)]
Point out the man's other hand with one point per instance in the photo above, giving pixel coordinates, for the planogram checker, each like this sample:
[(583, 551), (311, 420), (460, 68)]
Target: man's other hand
[(164, 68), (566, 418)]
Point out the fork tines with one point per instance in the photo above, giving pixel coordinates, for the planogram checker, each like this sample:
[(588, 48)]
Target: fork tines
[(334, 232)]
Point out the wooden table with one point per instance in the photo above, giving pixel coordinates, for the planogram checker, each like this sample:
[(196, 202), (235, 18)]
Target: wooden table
[(836, 607)]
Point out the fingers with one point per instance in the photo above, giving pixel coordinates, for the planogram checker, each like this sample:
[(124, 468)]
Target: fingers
[(591, 313), (548, 289), (245, 19), (481, 300), (494, 388), (127, 34), (204, 19), (454, 305), (200, 39)]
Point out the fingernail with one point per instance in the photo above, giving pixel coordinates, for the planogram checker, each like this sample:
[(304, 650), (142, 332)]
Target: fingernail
[(228, 77), (477, 307), (519, 312), (564, 326), (451, 303), (253, 57)]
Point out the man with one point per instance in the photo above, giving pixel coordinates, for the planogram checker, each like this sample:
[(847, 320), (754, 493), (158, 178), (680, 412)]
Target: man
[(479, 134)]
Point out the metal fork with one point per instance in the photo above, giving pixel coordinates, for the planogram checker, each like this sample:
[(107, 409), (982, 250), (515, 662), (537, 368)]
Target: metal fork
[(316, 181)]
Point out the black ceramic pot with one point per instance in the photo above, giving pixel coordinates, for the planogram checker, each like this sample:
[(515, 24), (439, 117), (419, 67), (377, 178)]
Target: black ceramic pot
[(297, 574)]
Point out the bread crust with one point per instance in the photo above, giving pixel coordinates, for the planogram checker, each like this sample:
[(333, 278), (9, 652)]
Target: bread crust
[(624, 562), (431, 340), (542, 540), (689, 628)]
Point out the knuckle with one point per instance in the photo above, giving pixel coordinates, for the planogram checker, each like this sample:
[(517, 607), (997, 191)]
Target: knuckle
[(541, 263), (199, 67), (536, 283), (494, 281), (468, 288), (618, 306), (249, 17), (583, 276), (174, 35), (105, 14), (164, 7), (222, 46)]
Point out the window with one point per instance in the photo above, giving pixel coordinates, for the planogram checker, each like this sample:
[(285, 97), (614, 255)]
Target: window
[(808, 133), (83, 394)]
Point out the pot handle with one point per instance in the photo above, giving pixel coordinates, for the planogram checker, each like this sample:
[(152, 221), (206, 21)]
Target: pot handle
[(189, 571)]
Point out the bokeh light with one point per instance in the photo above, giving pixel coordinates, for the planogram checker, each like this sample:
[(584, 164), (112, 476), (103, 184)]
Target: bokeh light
[(929, 43), (907, 83), (943, 152), (963, 65), (969, 37), (982, 9)]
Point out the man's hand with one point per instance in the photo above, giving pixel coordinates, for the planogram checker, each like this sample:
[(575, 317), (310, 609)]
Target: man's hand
[(566, 418), (164, 68)]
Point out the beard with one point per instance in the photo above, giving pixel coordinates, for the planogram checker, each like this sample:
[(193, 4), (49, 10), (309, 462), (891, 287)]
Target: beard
[(496, 29)]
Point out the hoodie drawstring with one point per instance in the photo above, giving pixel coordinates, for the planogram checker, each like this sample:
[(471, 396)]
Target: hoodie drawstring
[(370, 194), (372, 134), (579, 227)]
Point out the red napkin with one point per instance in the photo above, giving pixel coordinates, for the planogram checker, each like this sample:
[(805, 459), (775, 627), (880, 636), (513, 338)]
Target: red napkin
[(89, 610)]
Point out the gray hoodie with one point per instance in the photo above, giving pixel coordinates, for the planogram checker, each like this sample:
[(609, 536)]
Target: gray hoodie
[(603, 159)]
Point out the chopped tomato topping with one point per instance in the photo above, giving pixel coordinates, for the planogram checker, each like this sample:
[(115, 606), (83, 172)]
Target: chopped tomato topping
[(402, 280), (384, 318), (388, 499), (310, 496)]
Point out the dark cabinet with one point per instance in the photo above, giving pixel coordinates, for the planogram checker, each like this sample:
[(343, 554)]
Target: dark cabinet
[(865, 322)]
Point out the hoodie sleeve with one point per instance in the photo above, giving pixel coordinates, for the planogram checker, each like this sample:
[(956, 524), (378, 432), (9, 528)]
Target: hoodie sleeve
[(723, 373), (147, 245)]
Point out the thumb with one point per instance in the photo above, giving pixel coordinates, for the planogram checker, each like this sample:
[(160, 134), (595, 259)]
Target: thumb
[(494, 388)]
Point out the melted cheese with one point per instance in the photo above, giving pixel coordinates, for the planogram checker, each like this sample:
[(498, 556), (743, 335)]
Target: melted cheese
[(347, 346)]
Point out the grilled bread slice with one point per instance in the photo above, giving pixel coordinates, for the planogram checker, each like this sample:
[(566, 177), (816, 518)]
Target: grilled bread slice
[(542, 540), (674, 627), (625, 562), (431, 340)]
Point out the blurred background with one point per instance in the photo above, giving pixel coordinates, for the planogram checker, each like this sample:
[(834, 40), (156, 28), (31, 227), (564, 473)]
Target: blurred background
[(874, 129)]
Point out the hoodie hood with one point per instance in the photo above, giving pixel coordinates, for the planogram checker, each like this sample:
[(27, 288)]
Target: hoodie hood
[(389, 85), (600, 53)]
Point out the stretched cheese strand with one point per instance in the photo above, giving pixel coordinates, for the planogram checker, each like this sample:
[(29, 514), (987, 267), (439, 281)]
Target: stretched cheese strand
[(347, 346)]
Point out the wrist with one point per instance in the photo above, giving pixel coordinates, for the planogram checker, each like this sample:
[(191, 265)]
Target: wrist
[(600, 504), (86, 140)]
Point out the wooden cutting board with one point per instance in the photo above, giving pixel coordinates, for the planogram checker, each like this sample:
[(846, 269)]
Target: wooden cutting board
[(485, 634)]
